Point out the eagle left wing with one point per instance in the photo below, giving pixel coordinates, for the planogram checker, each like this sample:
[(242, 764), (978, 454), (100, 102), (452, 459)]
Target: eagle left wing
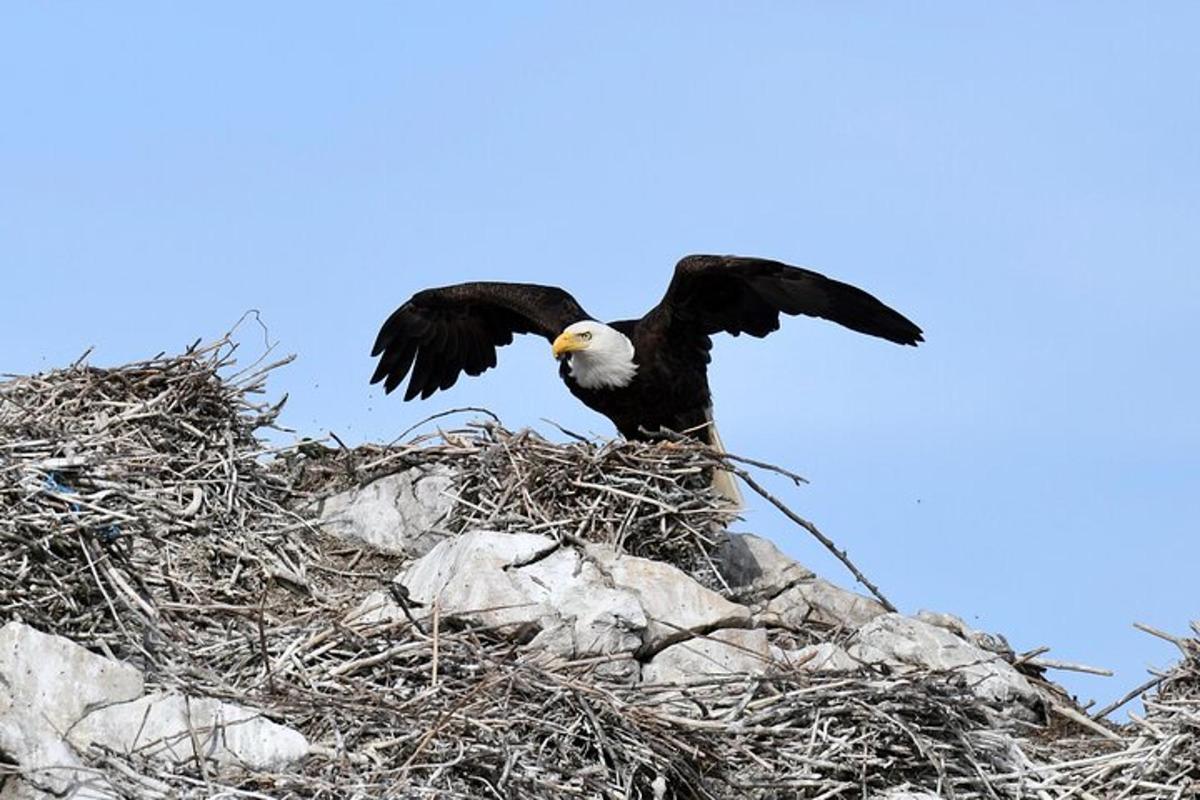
[(736, 294)]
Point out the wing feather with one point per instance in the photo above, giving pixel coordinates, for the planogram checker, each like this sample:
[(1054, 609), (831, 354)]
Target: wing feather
[(440, 333), (734, 294)]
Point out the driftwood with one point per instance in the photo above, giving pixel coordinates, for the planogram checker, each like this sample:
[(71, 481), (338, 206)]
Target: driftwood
[(142, 515)]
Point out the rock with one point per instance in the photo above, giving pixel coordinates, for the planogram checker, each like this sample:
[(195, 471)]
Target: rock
[(399, 513), (51, 688), (819, 601), (47, 683), (49, 767), (505, 579), (752, 565), (59, 678), (590, 617), (162, 726), (590, 603), (377, 607), (676, 606), (469, 577), (823, 657), (993, 643), (902, 641), (723, 652)]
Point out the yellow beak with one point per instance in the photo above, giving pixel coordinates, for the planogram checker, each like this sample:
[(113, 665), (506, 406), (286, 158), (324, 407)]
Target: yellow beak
[(567, 343)]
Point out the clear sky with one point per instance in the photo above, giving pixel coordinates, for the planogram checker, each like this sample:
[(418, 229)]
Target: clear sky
[(1021, 179)]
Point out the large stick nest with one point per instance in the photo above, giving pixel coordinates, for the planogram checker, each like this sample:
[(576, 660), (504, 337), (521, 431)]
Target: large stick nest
[(142, 516)]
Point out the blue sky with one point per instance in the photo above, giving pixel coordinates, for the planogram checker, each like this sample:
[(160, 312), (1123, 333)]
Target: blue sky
[(1022, 180)]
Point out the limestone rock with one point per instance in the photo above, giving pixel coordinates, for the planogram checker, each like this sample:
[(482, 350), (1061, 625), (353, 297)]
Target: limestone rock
[(591, 617), (59, 678), (399, 513), (469, 576), (993, 643), (752, 565), (584, 603), (162, 725), (823, 657), (675, 604), (819, 601), (377, 607), (47, 683), (902, 641), (49, 767), (515, 580), (723, 652)]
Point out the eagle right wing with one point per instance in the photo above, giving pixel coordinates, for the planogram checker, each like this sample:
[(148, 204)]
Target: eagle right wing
[(442, 332)]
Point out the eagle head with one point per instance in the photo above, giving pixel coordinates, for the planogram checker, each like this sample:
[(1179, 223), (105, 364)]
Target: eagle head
[(598, 355)]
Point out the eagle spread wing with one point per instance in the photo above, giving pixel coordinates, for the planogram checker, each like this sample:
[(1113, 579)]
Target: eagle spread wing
[(737, 294), (442, 332)]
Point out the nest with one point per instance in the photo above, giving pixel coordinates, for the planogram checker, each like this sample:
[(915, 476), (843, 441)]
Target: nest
[(649, 501), (143, 517)]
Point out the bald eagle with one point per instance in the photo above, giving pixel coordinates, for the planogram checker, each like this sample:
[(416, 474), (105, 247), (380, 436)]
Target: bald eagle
[(644, 374)]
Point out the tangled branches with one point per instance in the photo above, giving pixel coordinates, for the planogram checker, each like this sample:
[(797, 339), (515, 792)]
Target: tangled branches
[(141, 516)]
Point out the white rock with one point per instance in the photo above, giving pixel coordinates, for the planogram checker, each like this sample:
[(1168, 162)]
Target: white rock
[(59, 678), (722, 652), (902, 641), (377, 607), (991, 642), (584, 604), (162, 726), (479, 576), (47, 683), (49, 767), (468, 576), (590, 617), (819, 601), (823, 657), (399, 513), (675, 605), (751, 564)]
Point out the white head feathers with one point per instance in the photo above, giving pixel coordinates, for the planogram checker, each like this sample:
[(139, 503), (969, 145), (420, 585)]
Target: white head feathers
[(599, 356)]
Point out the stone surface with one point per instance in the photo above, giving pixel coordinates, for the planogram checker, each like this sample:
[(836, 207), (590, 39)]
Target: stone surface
[(400, 513), (589, 617), (819, 601), (823, 657), (993, 643), (752, 565), (49, 767), (59, 678), (47, 683), (674, 603), (469, 576), (377, 607), (723, 652), (56, 698), (901, 641), (583, 603), (165, 725)]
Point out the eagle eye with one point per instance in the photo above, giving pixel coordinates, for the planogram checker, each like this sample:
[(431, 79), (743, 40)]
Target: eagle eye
[(586, 335)]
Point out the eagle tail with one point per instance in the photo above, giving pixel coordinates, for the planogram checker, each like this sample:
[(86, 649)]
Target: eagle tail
[(724, 483)]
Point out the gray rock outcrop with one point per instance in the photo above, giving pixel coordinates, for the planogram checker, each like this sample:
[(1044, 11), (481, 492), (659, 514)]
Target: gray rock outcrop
[(399, 514), (57, 698)]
